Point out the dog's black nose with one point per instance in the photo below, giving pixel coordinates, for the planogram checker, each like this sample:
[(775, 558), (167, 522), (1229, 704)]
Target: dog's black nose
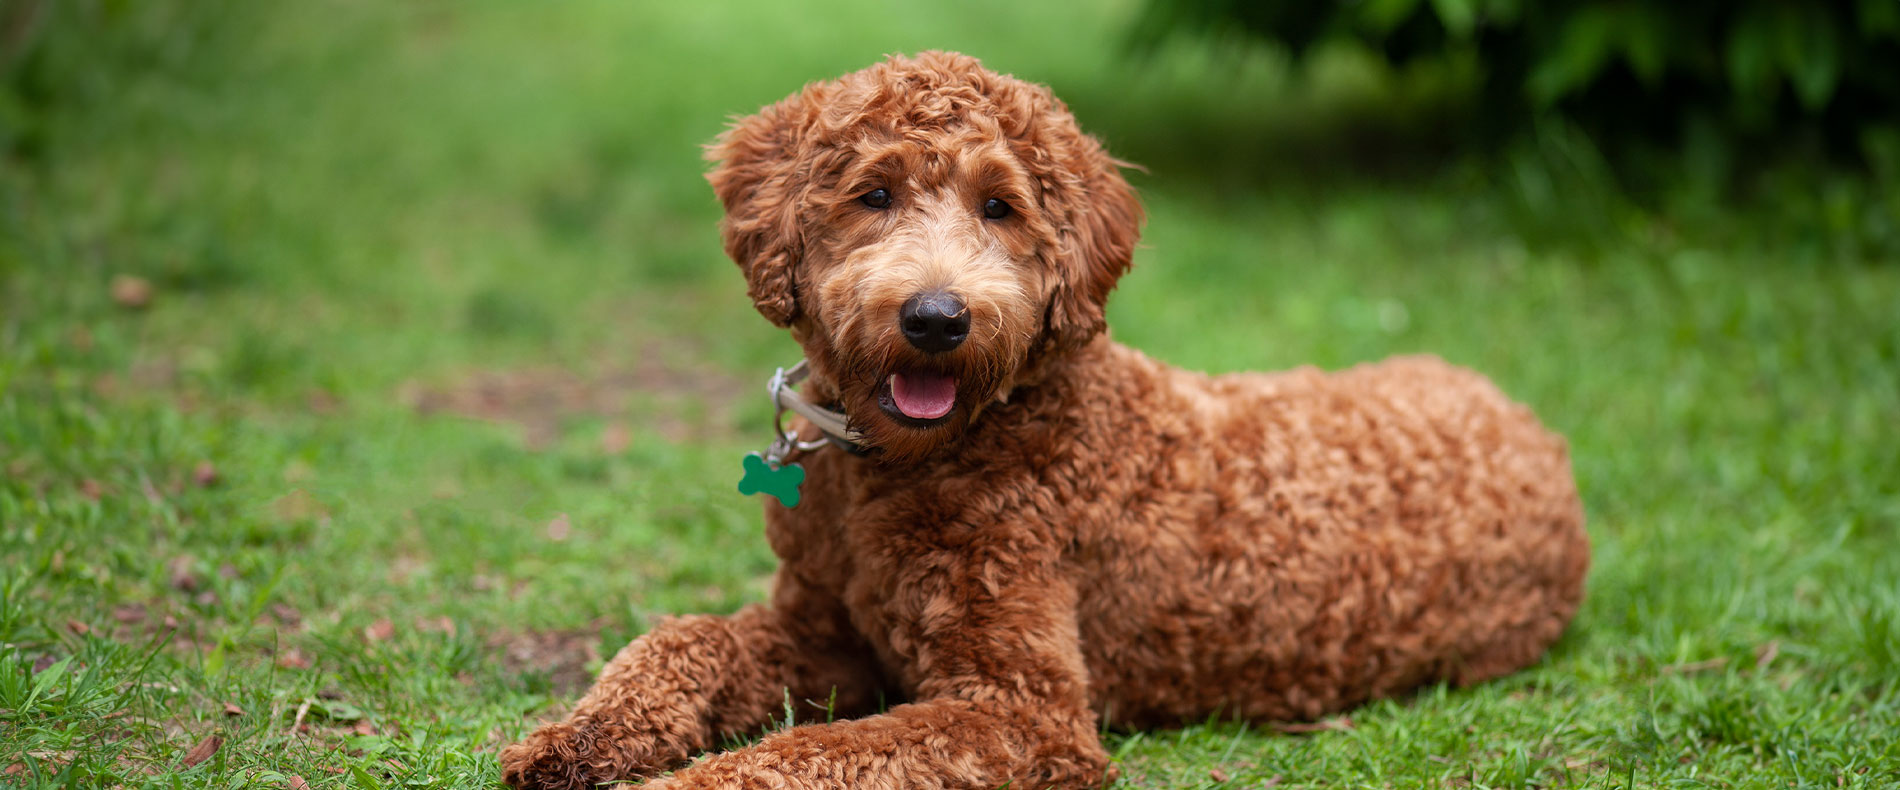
[(935, 322)]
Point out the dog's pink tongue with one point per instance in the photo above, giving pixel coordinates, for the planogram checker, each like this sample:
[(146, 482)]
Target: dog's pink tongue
[(924, 396)]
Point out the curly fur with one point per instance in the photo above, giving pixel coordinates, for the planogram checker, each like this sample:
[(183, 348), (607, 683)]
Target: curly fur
[(1090, 536)]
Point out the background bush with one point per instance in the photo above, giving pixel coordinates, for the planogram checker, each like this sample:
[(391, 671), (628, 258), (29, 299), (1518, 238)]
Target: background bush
[(1600, 114), (1751, 73), (64, 58)]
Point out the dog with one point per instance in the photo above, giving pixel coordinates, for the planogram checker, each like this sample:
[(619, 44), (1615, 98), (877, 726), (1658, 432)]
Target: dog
[(1028, 532)]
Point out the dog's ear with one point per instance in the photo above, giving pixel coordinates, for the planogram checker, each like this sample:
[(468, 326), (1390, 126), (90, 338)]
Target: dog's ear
[(1098, 220), (757, 178)]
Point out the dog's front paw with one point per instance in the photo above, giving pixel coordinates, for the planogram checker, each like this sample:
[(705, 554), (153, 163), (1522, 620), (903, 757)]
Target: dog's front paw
[(565, 756)]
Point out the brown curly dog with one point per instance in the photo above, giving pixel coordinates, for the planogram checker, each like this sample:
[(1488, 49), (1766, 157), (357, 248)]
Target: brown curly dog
[(1044, 531)]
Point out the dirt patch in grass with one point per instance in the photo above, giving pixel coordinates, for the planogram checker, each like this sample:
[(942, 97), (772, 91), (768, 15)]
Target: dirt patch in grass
[(568, 656), (676, 401)]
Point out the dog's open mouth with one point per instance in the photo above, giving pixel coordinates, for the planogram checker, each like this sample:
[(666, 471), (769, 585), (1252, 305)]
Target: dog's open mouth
[(918, 397)]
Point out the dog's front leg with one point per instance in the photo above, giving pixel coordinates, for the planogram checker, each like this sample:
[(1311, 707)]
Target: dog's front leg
[(669, 693), (1003, 700)]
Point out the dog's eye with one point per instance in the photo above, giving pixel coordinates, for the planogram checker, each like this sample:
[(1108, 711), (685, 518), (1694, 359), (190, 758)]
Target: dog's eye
[(876, 198), (995, 209)]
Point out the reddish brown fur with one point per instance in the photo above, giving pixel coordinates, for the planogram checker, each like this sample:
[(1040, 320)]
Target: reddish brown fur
[(1090, 533)]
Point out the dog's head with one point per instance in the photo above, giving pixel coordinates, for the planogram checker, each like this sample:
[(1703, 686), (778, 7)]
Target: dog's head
[(933, 234)]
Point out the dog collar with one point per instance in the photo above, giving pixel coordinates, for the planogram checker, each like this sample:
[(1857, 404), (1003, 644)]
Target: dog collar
[(833, 424), (769, 472)]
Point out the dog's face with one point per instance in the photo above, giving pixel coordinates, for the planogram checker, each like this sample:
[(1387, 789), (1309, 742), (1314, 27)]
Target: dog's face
[(932, 233)]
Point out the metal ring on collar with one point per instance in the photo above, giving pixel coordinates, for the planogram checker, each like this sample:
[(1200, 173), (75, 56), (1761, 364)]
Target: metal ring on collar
[(832, 424)]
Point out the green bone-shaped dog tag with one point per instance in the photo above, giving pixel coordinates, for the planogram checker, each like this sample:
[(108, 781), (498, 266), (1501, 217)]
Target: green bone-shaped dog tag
[(762, 477)]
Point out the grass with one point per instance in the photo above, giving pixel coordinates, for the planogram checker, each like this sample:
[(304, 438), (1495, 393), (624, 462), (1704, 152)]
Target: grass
[(442, 383)]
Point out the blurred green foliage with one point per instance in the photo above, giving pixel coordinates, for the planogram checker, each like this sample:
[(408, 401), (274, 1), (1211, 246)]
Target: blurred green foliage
[(1593, 115), (60, 59), (1702, 72)]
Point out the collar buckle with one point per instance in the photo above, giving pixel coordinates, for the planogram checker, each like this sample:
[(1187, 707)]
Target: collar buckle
[(833, 425)]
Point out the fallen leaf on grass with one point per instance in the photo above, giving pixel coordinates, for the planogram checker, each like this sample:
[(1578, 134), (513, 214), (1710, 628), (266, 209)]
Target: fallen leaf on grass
[(131, 292), (286, 615), (204, 474), (232, 709), (321, 402), (363, 727), (15, 769), (1336, 723), (203, 751), (297, 783), (380, 631), (1766, 654), (92, 489), (292, 658), (78, 627), (182, 576), (616, 438), (1217, 775)]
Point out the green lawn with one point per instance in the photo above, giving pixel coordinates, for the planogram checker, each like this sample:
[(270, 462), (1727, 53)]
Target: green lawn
[(440, 389)]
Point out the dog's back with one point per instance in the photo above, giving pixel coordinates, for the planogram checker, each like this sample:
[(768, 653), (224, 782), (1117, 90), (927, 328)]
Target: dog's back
[(1284, 545)]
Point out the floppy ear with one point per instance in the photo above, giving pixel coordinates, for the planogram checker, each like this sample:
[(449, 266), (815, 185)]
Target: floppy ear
[(1099, 221), (757, 178)]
